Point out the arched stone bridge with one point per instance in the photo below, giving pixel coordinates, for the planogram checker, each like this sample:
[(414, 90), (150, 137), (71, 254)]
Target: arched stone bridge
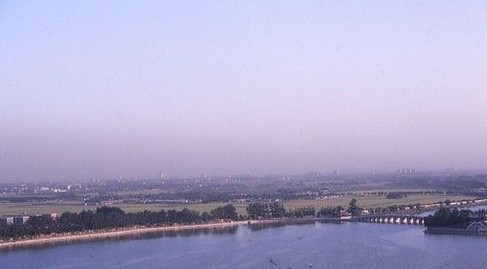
[(392, 219)]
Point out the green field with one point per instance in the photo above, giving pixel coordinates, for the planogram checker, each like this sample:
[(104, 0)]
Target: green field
[(363, 201), (39, 208), (373, 201)]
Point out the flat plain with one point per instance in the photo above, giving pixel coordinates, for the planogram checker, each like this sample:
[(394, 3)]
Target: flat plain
[(370, 201)]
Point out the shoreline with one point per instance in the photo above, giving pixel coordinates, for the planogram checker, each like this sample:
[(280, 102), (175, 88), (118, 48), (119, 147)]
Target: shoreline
[(454, 231), (58, 239), (100, 235), (131, 232)]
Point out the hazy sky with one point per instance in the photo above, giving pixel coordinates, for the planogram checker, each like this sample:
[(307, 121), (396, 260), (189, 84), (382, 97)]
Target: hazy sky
[(218, 87)]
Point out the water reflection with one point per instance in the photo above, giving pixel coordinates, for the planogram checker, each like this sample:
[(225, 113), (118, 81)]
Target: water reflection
[(184, 232), (349, 245), (261, 226)]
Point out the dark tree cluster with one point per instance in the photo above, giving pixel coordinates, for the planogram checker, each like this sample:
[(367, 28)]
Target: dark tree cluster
[(277, 210), (112, 217), (353, 208), (301, 212), (446, 217), (225, 212), (266, 210), (330, 211)]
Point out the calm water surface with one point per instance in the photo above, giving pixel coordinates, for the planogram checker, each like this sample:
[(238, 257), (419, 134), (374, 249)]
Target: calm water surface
[(324, 245)]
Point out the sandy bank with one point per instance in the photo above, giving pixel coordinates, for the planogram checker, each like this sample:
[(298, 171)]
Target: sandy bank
[(56, 239)]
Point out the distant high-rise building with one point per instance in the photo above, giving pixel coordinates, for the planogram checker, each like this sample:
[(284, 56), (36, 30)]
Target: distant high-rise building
[(406, 171), (161, 175)]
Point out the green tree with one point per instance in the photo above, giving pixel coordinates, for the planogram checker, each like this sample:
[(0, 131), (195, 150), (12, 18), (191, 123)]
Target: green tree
[(277, 210), (353, 208), (257, 210), (225, 212), (446, 217)]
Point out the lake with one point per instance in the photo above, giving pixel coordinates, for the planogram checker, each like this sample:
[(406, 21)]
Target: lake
[(320, 245)]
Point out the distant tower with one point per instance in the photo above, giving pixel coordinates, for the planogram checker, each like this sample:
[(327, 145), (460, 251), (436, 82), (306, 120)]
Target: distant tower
[(335, 173)]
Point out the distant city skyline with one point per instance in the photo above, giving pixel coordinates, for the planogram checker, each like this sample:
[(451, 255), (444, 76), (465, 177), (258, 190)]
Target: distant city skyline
[(103, 89)]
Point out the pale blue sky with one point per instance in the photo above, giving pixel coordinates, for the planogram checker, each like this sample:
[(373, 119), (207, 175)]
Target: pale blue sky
[(127, 88)]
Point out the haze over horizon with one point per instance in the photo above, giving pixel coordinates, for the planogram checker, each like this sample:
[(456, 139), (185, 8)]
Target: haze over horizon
[(109, 89)]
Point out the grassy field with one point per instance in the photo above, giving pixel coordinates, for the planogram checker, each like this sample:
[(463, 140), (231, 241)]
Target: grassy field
[(373, 201), (39, 208), (362, 201)]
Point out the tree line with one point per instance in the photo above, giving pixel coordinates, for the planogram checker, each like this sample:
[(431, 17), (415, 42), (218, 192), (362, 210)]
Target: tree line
[(277, 210), (446, 217), (113, 217)]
